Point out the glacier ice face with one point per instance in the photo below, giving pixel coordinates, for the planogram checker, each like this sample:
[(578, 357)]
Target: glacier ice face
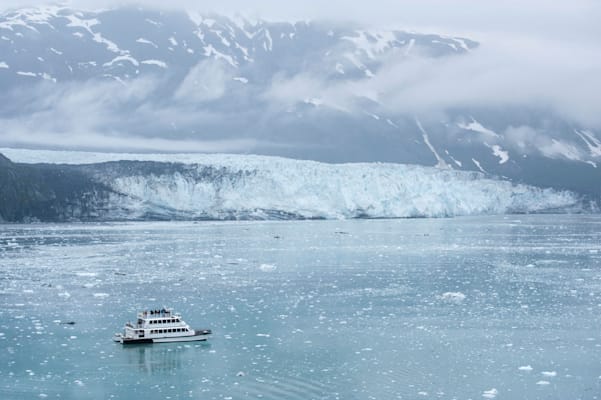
[(313, 190), (188, 186)]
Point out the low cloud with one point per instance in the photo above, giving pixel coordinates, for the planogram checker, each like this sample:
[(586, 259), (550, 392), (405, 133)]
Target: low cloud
[(536, 74), (112, 115), (206, 81), (550, 66), (528, 139)]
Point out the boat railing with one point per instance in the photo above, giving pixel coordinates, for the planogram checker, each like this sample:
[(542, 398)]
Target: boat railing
[(163, 312)]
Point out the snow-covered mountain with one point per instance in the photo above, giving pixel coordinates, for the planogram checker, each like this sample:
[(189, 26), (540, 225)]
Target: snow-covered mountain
[(58, 44), (84, 186), (69, 77)]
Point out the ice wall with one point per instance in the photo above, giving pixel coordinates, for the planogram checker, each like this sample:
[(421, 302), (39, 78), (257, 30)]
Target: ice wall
[(239, 186)]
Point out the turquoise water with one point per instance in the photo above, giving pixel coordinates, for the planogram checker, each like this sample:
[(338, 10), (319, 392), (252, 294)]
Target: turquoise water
[(465, 308)]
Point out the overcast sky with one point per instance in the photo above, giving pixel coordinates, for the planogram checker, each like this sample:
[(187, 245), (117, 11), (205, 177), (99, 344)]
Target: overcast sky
[(569, 19)]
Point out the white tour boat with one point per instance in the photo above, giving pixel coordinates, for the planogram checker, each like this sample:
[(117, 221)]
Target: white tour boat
[(160, 326)]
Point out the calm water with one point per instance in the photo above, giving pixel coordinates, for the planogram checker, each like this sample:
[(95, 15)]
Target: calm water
[(466, 308)]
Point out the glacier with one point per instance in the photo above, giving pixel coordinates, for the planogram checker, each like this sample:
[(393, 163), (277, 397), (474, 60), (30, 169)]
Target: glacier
[(219, 186)]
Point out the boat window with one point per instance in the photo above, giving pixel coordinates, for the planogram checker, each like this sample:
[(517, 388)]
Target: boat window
[(176, 320)]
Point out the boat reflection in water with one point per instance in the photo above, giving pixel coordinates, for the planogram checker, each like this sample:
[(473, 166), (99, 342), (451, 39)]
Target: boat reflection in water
[(162, 359)]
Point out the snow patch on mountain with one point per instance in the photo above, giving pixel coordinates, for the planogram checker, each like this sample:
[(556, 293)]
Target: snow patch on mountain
[(477, 164), (27, 73), (210, 51), (476, 126), (158, 63), (119, 59), (372, 43), (497, 151), (440, 162), (146, 41), (559, 148), (593, 144)]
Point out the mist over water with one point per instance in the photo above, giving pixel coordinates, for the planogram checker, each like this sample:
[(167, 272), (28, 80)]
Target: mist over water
[(481, 307)]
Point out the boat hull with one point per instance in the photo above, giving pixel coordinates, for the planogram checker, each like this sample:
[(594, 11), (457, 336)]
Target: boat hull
[(199, 336)]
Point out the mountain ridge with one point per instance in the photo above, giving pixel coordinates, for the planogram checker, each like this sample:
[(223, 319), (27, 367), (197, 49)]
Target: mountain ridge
[(147, 80)]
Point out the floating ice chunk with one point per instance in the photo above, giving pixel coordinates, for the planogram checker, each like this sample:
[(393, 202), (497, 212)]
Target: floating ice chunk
[(101, 295), (240, 373), (89, 274), (66, 295), (453, 297), (549, 373), (267, 267), (490, 394), (525, 368), (542, 383), (3, 65)]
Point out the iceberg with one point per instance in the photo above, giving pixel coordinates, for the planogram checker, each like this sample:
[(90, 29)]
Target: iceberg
[(196, 186)]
